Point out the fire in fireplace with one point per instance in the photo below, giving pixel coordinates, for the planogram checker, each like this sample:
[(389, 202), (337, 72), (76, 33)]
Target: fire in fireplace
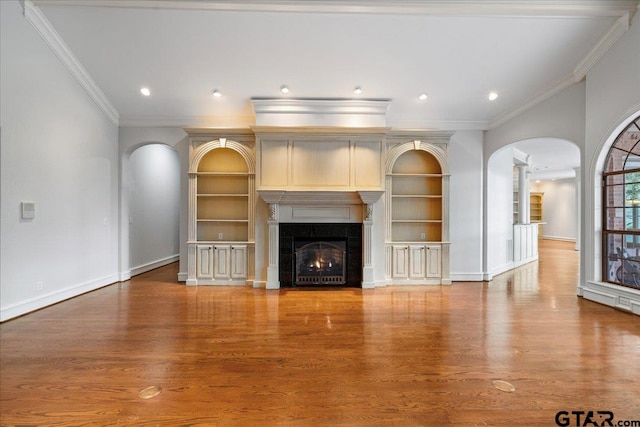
[(347, 237), (321, 263)]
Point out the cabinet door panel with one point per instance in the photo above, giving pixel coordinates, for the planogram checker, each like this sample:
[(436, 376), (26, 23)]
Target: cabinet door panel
[(400, 262), (204, 262), (434, 261), (239, 262), (222, 254), (416, 261)]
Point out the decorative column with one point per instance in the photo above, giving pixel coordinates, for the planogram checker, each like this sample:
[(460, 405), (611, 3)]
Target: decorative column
[(368, 198), (445, 273), (578, 208), (273, 270), (191, 233), (367, 269), (524, 216)]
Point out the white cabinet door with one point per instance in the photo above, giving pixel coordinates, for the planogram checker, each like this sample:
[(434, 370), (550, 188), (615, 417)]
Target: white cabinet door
[(222, 264), (204, 262), (400, 262), (416, 261), (239, 261), (434, 261)]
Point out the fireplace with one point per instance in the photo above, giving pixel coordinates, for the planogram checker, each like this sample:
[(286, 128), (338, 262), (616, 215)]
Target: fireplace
[(321, 255), (320, 263)]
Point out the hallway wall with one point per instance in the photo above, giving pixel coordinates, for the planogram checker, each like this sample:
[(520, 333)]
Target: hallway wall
[(60, 151)]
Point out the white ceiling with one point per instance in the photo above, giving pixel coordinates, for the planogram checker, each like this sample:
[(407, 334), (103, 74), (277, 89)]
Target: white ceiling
[(455, 51)]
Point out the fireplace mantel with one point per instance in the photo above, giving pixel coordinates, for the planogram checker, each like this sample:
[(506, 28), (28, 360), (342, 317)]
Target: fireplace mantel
[(320, 197)]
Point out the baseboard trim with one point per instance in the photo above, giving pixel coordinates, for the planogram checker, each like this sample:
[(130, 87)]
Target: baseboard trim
[(33, 304), (182, 277), (467, 277), (559, 238), (154, 264)]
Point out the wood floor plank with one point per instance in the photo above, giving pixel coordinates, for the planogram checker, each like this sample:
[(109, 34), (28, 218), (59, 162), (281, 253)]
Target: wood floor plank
[(405, 356)]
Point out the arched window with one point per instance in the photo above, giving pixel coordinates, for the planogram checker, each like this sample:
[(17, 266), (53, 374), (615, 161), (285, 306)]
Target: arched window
[(621, 209)]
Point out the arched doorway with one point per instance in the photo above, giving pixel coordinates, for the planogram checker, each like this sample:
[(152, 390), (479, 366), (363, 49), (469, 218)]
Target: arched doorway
[(150, 207), (544, 167)]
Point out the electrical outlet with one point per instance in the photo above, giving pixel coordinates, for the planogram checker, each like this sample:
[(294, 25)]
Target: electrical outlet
[(220, 235), (423, 236), (39, 286)]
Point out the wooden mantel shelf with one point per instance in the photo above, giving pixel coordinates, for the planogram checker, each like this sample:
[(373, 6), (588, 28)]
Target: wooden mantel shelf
[(315, 197)]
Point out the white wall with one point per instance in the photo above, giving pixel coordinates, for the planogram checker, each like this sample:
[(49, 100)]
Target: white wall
[(559, 209), (612, 99), (60, 151), (465, 162), (154, 207), (499, 213)]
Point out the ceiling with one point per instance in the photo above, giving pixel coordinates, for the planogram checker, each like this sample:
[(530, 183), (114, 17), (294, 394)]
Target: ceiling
[(455, 51)]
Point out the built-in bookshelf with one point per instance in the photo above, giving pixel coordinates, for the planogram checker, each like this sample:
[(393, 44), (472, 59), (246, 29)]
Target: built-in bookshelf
[(535, 210), (222, 197), (416, 197)]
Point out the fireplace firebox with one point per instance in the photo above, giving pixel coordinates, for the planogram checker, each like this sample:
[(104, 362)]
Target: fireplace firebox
[(320, 254), (320, 263)]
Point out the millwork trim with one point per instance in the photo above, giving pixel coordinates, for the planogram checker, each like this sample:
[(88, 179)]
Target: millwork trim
[(567, 82), (514, 8), (615, 32), (599, 50), (41, 24), (15, 310)]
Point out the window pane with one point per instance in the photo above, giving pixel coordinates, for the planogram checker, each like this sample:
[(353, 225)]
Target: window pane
[(632, 217), (614, 197), (615, 179), (615, 160), (625, 142), (615, 219), (633, 160), (613, 263)]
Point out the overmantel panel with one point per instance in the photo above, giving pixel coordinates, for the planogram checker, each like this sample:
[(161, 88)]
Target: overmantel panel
[(316, 158)]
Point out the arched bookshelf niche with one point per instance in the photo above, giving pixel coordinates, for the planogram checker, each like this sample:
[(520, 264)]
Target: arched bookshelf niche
[(222, 201), (417, 211)]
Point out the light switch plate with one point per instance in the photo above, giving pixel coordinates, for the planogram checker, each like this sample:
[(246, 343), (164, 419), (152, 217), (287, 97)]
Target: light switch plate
[(28, 210)]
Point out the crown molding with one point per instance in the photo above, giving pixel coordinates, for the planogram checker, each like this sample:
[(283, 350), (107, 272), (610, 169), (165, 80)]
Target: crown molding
[(606, 42), (567, 82), (514, 8), (615, 32), (320, 106), (36, 18), (343, 112), (187, 121)]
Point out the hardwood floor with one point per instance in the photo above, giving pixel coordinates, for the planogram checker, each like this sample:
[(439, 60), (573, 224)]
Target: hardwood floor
[(395, 356)]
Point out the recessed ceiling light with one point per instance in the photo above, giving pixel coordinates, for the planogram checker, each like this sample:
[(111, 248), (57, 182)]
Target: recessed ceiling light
[(145, 91), (284, 89), (357, 90), (422, 96), (216, 93), (493, 96)]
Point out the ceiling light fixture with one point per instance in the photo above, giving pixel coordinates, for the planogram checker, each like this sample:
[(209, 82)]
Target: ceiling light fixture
[(422, 96), (493, 96), (357, 90), (284, 89), (145, 91), (216, 93)]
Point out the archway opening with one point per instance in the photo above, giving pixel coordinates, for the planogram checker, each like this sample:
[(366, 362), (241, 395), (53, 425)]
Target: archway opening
[(154, 207)]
